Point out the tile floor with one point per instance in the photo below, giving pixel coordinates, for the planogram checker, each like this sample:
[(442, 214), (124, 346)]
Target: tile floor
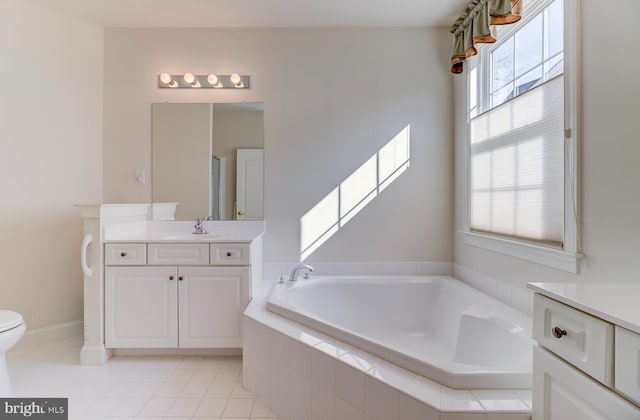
[(135, 387)]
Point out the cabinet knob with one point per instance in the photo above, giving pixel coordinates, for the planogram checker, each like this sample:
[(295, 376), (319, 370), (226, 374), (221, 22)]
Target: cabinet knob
[(241, 213), (558, 332), (123, 254), (171, 277), (180, 278), (229, 254)]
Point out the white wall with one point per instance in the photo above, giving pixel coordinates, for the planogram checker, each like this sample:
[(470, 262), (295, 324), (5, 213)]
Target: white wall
[(50, 157), (332, 98), (610, 161)]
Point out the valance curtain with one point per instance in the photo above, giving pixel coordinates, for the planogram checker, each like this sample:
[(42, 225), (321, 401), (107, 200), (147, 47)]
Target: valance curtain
[(473, 27)]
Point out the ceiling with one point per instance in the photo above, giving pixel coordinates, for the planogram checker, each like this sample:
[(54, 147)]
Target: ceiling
[(260, 13)]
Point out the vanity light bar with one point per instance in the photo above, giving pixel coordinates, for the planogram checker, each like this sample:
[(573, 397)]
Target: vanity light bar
[(208, 81)]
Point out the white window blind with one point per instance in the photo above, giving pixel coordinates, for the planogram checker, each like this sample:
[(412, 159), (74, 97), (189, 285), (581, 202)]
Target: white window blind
[(517, 166)]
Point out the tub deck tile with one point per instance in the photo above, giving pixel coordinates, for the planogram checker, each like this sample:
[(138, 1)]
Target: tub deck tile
[(457, 400), (424, 390), (500, 400), (360, 360), (391, 374), (333, 348), (525, 395)]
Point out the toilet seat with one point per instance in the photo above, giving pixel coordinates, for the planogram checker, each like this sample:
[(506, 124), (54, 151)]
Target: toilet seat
[(9, 320)]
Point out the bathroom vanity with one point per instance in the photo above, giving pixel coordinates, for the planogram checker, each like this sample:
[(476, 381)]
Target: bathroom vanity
[(155, 285), (587, 361)]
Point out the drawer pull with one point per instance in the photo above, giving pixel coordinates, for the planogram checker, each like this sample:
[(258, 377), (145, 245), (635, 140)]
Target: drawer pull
[(180, 278), (558, 332), (171, 277), (229, 254), (123, 254)]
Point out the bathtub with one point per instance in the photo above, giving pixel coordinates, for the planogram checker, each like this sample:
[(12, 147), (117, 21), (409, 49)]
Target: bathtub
[(435, 326)]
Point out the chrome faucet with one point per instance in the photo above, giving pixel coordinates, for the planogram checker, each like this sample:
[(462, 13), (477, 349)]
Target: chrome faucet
[(198, 229), (297, 269)]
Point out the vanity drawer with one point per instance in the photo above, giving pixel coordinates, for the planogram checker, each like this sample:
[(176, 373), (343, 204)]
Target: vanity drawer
[(581, 339), (178, 254), (230, 254), (628, 363), (125, 254)]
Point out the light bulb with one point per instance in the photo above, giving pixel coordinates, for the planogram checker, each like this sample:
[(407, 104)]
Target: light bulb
[(165, 78), (212, 79), (235, 78), (189, 77)]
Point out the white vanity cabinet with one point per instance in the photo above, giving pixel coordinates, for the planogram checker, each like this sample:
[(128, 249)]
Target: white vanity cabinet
[(583, 364), (210, 305), (561, 392), (174, 297), (141, 307)]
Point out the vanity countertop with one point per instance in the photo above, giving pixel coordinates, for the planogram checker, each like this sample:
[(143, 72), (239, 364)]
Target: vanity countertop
[(182, 232), (617, 303)]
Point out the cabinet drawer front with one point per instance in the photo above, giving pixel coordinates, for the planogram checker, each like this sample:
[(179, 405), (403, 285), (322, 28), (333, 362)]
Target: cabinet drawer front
[(125, 254), (579, 338), (628, 363), (177, 254), (230, 254)]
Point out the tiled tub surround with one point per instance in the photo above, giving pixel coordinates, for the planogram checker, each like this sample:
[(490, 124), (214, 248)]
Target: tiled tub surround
[(303, 374), (520, 299), (435, 326)]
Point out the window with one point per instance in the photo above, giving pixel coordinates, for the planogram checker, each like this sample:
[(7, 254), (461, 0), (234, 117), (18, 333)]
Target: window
[(534, 54), (521, 183)]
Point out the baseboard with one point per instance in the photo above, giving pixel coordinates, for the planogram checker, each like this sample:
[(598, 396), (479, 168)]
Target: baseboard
[(191, 352), (94, 355), (56, 332)]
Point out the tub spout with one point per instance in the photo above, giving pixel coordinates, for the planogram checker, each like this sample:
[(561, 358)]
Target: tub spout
[(297, 269)]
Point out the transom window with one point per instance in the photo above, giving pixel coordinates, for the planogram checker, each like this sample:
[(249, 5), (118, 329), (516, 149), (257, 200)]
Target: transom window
[(522, 59), (534, 54)]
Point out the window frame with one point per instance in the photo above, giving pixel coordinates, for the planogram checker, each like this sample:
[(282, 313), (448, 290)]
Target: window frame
[(568, 258)]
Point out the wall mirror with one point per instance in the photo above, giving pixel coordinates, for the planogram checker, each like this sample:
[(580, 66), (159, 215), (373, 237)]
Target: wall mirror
[(208, 158)]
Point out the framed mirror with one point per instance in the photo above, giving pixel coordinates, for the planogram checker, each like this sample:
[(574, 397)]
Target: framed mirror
[(208, 159)]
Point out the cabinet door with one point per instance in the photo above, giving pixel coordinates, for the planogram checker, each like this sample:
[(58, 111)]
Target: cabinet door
[(212, 300), (561, 392), (141, 307)]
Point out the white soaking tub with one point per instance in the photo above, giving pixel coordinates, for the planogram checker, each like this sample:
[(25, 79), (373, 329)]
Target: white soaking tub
[(435, 326)]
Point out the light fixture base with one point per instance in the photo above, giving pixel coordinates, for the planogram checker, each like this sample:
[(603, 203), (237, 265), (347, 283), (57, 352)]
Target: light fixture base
[(224, 82)]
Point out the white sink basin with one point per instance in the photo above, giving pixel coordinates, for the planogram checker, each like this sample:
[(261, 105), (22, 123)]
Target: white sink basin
[(190, 237)]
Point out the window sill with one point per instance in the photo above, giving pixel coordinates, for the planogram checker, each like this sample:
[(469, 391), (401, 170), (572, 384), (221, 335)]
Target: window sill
[(549, 257)]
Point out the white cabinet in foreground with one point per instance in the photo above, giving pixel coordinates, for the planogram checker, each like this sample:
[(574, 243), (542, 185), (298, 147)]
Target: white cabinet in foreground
[(561, 392), (583, 365)]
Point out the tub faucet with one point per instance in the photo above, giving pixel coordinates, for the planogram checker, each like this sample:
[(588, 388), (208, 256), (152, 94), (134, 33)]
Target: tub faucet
[(297, 269), (198, 229)]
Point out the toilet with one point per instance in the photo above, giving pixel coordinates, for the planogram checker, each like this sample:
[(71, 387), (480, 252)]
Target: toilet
[(12, 329)]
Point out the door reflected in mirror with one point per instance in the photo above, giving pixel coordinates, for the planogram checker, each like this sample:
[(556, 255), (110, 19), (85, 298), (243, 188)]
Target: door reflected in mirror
[(208, 158)]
